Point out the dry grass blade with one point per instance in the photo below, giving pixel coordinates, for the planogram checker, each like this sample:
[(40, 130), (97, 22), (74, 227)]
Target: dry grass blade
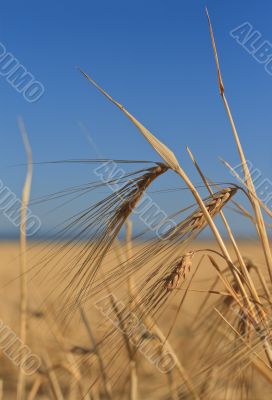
[(52, 378), (133, 392), (166, 154), (105, 380), (35, 388), (132, 358), (23, 244), (178, 365), (248, 179)]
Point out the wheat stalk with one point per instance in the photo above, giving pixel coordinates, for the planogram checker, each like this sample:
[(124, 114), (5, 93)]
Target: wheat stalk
[(23, 245), (106, 383), (260, 225)]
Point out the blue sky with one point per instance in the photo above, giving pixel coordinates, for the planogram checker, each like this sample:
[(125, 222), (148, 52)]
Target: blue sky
[(155, 57)]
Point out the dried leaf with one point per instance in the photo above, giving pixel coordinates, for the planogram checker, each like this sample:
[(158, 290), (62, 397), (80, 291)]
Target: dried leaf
[(166, 154)]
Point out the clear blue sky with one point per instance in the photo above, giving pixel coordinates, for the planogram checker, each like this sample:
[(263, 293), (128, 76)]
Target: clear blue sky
[(153, 56)]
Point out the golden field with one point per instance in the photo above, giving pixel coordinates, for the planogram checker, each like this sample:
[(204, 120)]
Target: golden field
[(66, 350)]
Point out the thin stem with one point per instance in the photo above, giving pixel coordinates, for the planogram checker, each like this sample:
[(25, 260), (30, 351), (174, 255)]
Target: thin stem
[(260, 225), (23, 262)]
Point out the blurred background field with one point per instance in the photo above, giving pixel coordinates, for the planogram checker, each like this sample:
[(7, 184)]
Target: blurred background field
[(63, 346)]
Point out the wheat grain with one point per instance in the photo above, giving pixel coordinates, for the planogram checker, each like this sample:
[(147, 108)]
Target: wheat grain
[(180, 271)]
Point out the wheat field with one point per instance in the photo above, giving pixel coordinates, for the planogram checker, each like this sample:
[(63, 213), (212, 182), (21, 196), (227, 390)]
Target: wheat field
[(67, 348), (103, 312)]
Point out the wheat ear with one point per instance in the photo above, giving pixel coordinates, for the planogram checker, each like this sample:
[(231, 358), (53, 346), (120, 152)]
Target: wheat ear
[(235, 246), (171, 160)]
